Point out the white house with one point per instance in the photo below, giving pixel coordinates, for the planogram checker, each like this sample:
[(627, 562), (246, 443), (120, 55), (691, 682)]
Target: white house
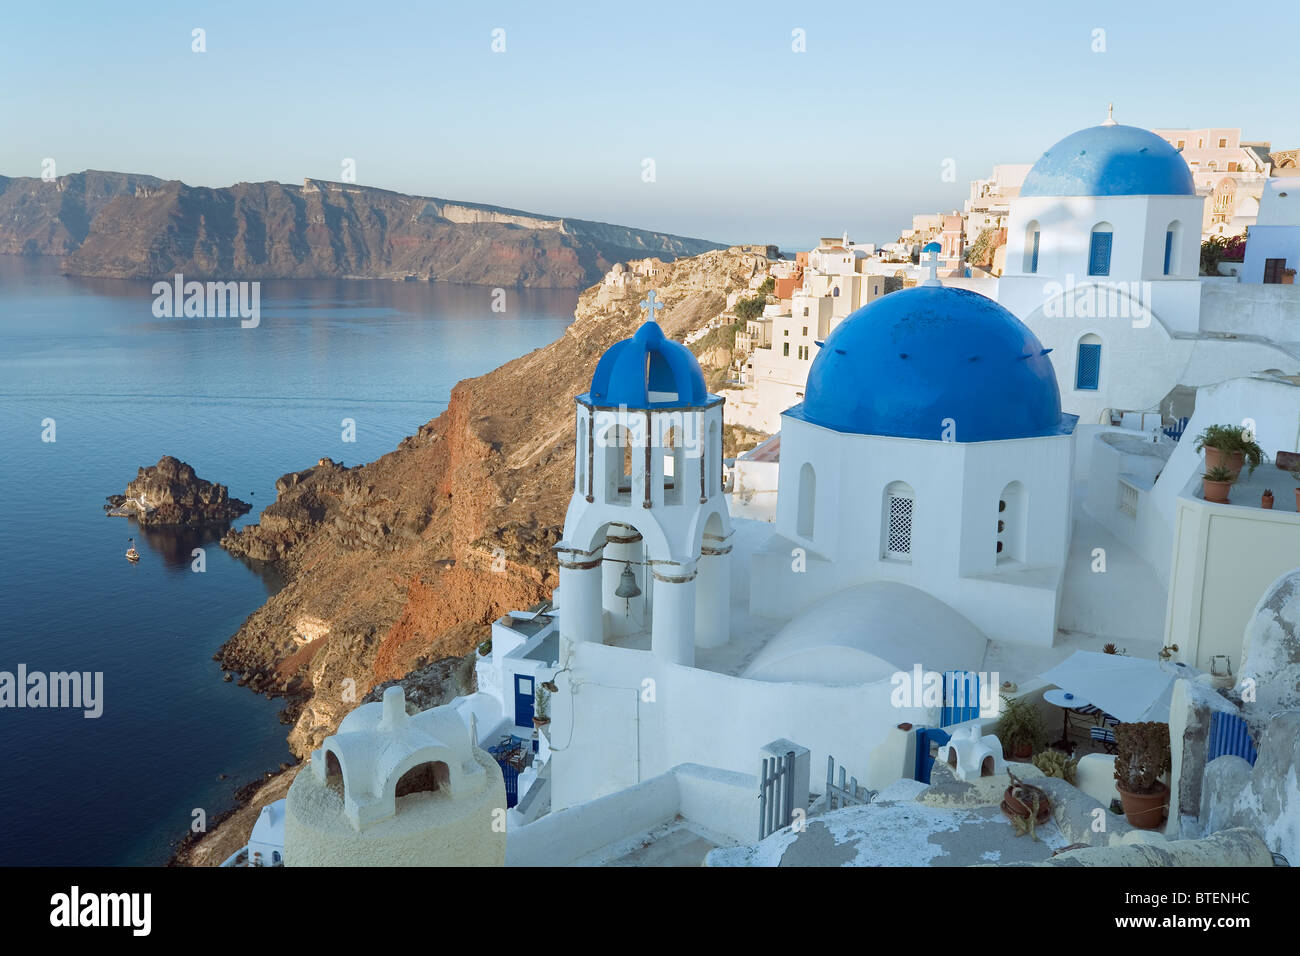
[(1273, 243)]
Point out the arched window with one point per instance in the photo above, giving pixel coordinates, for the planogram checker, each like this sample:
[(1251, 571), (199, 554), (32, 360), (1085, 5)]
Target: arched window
[(1172, 235), (714, 461), (896, 526), (673, 466), (1032, 236), (1099, 249), (1011, 523), (807, 500), (580, 458), (423, 778), (617, 448), (1087, 373), (333, 773)]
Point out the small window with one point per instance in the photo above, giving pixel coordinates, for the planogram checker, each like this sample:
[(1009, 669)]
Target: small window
[(1182, 144), (805, 331), (899, 502), (1233, 168), (785, 349), (1031, 247), (1088, 371), (1273, 270), (1169, 248), (805, 311), (1099, 250), (1223, 144)]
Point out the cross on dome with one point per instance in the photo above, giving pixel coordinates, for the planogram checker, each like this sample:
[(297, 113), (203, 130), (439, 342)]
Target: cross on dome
[(1110, 115), (651, 303)]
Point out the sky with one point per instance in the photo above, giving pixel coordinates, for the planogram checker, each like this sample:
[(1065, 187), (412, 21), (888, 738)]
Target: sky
[(750, 140)]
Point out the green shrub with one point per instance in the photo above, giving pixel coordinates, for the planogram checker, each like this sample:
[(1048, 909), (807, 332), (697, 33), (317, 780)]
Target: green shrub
[(1142, 755)]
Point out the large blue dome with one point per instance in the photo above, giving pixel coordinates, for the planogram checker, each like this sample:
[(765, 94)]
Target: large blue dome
[(903, 364), (1110, 161), (648, 371)]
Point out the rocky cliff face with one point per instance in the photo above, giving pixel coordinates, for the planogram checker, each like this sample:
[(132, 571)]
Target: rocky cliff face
[(404, 561), (170, 493), (124, 226)]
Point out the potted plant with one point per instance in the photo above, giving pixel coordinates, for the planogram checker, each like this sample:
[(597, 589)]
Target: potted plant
[(1219, 442), (1266, 499), (1021, 727), (1141, 758), (1215, 484), (1054, 763), (1288, 277), (542, 708), (1025, 805)]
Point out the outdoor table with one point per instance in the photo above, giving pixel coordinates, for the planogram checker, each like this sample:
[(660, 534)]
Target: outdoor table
[(1067, 702)]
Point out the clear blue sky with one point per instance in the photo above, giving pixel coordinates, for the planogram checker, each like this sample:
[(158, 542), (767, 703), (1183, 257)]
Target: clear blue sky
[(751, 141)]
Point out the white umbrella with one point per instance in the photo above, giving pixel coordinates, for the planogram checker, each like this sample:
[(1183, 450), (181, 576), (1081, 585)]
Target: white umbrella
[(1130, 688)]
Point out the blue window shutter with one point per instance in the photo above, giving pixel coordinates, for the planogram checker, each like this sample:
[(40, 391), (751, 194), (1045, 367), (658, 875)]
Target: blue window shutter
[(1099, 254), (1033, 262), (1169, 248), (1089, 370)]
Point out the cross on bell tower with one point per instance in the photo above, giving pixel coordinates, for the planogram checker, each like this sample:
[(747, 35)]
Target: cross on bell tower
[(652, 304)]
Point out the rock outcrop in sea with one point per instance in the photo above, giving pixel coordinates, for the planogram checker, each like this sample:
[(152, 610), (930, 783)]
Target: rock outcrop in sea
[(171, 494)]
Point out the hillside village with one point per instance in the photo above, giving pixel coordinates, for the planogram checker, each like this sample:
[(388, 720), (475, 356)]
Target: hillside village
[(979, 547)]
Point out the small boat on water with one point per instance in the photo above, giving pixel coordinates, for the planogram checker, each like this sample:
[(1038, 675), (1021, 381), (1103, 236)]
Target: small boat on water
[(131, 553)]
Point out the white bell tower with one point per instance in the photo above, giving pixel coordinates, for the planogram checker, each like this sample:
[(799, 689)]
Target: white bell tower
[(647, 537)]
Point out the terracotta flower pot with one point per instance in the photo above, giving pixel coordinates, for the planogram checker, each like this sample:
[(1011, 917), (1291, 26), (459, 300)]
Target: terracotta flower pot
[(541, 721), (1146, 811), (1216, 491), (1266, 501), (1023, 751), (1215, 457), (1014, 805)]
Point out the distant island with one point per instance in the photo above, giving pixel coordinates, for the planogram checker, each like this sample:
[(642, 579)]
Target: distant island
[(131, 226)]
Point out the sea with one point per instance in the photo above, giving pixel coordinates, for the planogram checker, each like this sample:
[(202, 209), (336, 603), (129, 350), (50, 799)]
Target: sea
[(93, 386)]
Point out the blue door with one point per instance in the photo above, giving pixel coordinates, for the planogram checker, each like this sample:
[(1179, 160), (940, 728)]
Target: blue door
[(523, 700), (928, 739)]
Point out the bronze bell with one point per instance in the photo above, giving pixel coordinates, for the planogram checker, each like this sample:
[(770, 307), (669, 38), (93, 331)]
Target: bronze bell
[(627, 584)]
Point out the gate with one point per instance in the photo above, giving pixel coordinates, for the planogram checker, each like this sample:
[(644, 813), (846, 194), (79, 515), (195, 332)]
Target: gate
[(775, 793), (928, 742), (842, 794), (961, 697)]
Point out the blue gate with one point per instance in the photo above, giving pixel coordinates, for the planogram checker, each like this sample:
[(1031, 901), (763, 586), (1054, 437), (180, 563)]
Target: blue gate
[(523, 700), (927, 740), (511, 776), (1230, 735), (961, 697)]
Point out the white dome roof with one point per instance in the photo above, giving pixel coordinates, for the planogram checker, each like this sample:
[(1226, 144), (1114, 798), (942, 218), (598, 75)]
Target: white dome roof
[(868, 633)]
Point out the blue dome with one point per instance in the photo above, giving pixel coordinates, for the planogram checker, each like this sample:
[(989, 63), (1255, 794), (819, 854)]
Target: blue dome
[(1110, 161), (909, 360), (932, 247), (648, 371)]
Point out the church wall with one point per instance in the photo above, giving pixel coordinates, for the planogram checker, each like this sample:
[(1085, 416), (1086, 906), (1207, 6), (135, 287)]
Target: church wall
[(703, 717)]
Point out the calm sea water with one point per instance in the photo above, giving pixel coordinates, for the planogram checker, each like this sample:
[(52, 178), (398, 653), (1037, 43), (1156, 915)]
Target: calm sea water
[(243, 406)]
